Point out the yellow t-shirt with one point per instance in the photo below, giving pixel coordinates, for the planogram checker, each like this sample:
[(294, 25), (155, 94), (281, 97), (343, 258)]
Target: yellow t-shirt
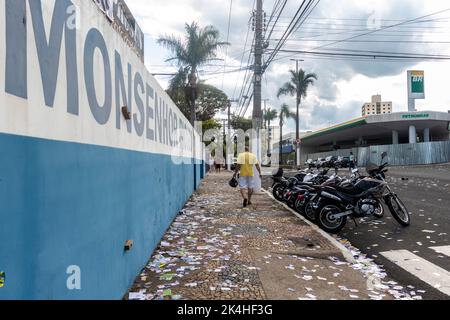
[(247, 160)]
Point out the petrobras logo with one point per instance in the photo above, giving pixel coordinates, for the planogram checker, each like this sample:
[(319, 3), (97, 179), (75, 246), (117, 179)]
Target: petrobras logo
[(416, 116)]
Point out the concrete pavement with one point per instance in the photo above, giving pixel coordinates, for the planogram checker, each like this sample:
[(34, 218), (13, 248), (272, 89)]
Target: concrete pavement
[(217, 250), (425, 191)]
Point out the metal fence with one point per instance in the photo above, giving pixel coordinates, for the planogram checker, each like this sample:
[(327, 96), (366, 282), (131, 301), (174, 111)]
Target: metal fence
[(398, 155)]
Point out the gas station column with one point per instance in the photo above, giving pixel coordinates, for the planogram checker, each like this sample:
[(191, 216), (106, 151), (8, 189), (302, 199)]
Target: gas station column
[(412, 135), (426, 135), (395, 139)]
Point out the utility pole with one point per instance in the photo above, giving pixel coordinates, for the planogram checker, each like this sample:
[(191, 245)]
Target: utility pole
[(229, 137), (265, 130), (297, 119), (257, 108), (229, 156), (224, 141)]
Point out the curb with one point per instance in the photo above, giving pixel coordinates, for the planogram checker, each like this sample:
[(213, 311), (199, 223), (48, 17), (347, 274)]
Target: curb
[(345, 252)]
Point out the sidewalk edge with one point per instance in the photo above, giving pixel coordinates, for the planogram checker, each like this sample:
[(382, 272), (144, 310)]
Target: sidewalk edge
[(345, 251)]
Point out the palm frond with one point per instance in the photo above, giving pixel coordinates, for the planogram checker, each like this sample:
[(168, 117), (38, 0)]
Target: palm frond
[(287, 89), (199, 46)]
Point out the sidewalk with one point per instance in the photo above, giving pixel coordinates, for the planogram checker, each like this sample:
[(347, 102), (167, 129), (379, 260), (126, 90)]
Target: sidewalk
[(216, 250)]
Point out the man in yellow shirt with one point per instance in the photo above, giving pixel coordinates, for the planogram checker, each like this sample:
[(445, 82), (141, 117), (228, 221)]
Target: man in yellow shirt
[(245, 163)]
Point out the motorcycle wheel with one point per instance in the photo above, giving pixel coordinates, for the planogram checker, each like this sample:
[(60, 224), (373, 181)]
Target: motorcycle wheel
[(278, 191), (379, 212), (398, 210), (299, 208), (309, 212), (324, 221)]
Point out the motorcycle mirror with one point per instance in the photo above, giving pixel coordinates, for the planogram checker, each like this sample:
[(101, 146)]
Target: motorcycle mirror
[(384, 155)]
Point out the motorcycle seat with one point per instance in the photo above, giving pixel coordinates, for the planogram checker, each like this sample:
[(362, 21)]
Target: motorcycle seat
[(306, 184), (351, 191)]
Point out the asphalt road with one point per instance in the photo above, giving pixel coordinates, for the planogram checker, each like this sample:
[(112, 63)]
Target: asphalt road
[(406, 253)]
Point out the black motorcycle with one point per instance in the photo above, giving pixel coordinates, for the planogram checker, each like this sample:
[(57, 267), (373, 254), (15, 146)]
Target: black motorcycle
[(363, 199), (289, 189), (279, 184)]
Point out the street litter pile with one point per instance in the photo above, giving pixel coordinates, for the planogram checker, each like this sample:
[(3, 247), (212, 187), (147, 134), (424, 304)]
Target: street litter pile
[(376, 277), (216, 250), (198, 253)]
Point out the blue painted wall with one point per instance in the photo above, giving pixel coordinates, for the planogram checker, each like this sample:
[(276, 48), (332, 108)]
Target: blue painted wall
[(65, 204)]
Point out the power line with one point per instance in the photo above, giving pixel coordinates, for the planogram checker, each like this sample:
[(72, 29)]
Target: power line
[(245, 79), (374, 56), (295, 23), (276, 21), (374, 41), (381, 29), (375, 31), (242, 59), (228, 38)]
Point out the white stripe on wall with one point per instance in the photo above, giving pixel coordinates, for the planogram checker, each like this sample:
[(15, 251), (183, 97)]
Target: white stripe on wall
[(421, 268)]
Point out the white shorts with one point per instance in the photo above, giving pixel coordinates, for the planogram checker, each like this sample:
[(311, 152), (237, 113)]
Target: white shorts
[(247, 182)]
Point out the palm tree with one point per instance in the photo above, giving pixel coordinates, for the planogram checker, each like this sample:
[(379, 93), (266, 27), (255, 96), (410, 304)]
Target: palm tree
[(285, 114), (269, 116), (298, 86), (198, 48)]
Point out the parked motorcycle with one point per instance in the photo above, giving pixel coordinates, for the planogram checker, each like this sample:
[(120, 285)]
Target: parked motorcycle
[(279, 183), (361, 199), (282, 187), (300, 184), (307, 197)]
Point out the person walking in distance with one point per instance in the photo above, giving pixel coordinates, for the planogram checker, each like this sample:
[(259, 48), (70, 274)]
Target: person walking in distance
[(218, 164), (211, 165), (352, 164), (247, 181)]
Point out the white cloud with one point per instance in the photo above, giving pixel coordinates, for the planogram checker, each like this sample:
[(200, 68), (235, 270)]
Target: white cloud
[(343, 85)]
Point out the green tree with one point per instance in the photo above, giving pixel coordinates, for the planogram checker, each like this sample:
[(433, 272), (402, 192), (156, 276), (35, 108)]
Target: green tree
[(199, 47), (241, 123), (269, 116), (285, 114), (298, 87), (210, 101), (211, 125)]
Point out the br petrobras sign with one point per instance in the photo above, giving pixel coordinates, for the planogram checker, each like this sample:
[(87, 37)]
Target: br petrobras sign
[(416, 84), (65, 75), (124, 22)]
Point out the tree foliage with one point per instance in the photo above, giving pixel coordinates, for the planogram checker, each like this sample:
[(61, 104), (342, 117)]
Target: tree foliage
[(210, 101), (211, 125), (299, 83), (242, 123), (199, 46), (269, 116)]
